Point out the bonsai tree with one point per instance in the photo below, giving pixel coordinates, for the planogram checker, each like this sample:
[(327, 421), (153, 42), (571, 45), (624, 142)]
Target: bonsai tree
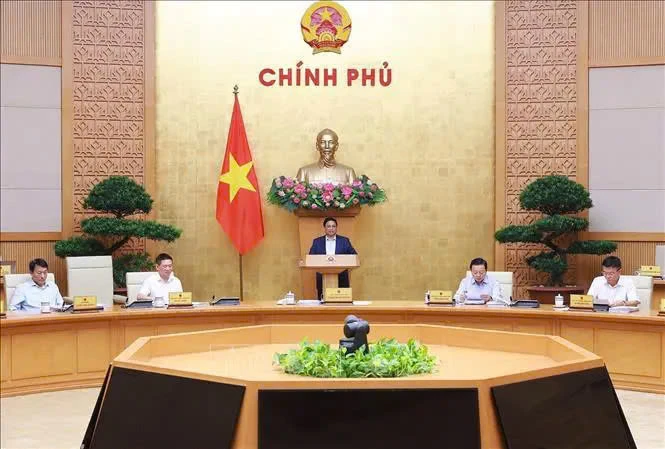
[(556, 197), (121, 197)]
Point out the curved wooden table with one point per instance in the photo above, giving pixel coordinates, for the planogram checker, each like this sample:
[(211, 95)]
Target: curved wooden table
[(60, 351)]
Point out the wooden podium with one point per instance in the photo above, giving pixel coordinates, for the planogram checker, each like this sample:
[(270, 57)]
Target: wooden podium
[(310, 226), (330, 267)]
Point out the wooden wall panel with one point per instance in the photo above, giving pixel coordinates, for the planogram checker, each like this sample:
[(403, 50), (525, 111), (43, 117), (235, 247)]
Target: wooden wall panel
[(626, 32), (30, 32), (537, 102)]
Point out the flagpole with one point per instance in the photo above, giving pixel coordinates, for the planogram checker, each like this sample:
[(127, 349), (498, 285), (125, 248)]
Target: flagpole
[(240, 264), (235, 93)]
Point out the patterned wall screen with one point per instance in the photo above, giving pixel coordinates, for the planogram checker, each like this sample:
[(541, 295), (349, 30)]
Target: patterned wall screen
[(108, 94), (541, 107)]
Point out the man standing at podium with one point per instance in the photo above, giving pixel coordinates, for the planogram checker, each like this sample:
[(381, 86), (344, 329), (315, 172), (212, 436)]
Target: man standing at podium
[(331, 244)]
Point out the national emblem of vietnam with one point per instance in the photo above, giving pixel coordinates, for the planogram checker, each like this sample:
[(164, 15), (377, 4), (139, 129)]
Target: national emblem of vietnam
[(326, 26)]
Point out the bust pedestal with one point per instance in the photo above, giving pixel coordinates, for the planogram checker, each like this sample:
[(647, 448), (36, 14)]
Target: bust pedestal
[(310, 226)]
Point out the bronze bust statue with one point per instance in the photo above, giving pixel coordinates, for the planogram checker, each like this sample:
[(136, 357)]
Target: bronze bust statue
[(326, 170)]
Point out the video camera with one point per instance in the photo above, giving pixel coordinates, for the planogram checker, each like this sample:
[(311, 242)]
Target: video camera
[(355, 331)]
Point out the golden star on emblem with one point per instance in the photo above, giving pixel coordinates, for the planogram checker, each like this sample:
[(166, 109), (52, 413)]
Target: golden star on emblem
[(325, 15), (236, 177)]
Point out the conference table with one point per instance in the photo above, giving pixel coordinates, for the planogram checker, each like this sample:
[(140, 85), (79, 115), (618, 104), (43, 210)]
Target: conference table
[(55, 351)]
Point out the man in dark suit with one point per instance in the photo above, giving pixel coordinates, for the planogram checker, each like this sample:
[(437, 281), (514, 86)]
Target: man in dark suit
[(330, 244)]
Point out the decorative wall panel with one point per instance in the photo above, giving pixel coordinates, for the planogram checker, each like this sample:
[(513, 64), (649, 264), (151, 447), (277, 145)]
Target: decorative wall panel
[(108, 73), (540, 111)]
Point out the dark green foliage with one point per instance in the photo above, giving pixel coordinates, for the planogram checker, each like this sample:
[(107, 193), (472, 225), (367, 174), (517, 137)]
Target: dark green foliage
[(515, 233), (79, 246), (560, 224), (120, 196), (549, 262), (598, 247), (122, 227), (130, 263), (554, 196)]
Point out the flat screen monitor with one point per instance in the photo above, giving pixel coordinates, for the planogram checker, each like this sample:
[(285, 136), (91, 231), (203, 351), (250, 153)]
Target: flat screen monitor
[(573, 411), (369, 419)]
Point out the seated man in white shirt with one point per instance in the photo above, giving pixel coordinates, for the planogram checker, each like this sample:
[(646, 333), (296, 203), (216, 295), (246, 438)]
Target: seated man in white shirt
[(478, 285), (30, 295), (611, 288), (161, 284)]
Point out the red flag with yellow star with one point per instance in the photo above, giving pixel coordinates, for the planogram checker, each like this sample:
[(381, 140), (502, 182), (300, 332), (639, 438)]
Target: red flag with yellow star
[(238, 200)]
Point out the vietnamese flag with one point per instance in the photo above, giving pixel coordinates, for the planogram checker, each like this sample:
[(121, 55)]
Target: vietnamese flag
[(238, 200)]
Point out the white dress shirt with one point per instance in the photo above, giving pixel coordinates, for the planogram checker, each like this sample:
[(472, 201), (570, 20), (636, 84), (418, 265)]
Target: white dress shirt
[(472, 289), (154, 286), (29, 296), (331, 245), (604, 293)]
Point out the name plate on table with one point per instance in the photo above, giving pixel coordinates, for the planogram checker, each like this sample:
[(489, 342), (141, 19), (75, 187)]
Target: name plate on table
[(180, 299), (650, 270), (581, 302), (86, 304), (661, 310), (441, 297), (338, 295)]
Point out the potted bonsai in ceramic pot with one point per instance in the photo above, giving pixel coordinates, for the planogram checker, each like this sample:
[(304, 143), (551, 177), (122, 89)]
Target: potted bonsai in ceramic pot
[(558, 199)]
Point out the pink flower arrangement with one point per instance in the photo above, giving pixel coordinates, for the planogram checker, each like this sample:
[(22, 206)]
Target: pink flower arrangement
[(293, 194)]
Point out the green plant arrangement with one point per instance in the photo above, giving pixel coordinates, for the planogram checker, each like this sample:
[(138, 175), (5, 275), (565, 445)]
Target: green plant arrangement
[(120, 197), (292, 194), (385, 358), (556, 197)]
